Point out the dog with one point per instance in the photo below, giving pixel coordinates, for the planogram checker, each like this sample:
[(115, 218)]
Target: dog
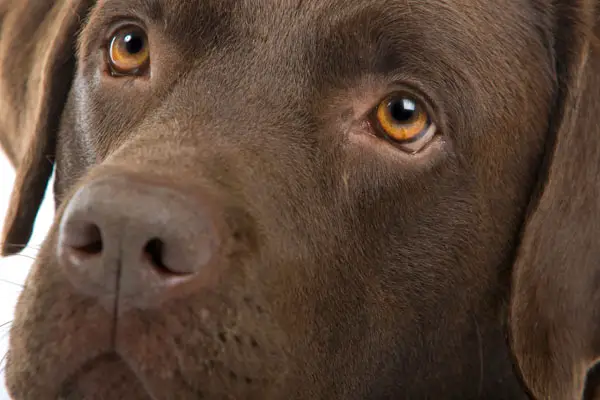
[(296, 199)]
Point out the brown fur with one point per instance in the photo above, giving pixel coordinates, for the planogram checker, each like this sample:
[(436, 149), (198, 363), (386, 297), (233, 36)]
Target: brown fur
[(469, 271)]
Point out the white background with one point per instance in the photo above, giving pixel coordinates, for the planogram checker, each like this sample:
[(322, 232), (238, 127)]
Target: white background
[(13, 270)]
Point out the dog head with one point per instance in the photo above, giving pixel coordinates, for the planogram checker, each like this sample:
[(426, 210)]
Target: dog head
[(302, 199)]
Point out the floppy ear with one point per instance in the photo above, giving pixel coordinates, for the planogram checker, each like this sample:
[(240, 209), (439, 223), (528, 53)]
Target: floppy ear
[(555, 305), (37, 62)]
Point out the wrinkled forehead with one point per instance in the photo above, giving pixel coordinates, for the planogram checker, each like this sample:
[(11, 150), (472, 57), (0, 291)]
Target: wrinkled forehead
[(346, 36)]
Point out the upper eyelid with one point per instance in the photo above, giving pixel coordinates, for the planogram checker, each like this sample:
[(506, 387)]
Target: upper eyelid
[(112, 28), (96, 32), (410, 87)]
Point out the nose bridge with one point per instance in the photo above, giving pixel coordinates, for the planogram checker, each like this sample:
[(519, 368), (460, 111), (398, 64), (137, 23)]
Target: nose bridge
[(254, 90), (206, 133)]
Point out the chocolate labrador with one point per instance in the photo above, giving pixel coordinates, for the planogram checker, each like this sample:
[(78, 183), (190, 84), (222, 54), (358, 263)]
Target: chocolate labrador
[(318, 199)]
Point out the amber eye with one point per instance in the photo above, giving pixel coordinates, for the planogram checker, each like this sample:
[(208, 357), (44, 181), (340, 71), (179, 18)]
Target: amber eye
[(404, 121), (128, 52)]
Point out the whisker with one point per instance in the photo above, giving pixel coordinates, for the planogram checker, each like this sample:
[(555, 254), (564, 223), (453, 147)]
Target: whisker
[(22, 246), (11, 283), (25, 256), (480, 348), (3, 363), (3, 360)]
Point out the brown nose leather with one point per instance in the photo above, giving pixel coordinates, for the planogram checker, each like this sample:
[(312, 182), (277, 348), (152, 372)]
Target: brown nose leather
[(141, 242)]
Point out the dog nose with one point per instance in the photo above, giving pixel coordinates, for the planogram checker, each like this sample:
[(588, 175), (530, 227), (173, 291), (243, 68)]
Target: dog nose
[(138, 241)]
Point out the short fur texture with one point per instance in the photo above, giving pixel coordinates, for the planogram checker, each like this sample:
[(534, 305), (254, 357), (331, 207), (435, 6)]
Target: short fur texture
[(469, 271)]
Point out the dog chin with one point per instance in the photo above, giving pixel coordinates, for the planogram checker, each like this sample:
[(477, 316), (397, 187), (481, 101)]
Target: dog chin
[(106, 377)]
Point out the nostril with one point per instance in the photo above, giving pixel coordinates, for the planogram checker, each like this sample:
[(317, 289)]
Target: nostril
[(91, 239), (154, 251), (83, 237)]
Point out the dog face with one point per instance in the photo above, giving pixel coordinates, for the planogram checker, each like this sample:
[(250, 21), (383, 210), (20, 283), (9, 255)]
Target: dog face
[(302, 200)]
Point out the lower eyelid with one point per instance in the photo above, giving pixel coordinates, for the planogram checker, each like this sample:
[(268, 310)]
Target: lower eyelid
[(423, 141), (366, 149)]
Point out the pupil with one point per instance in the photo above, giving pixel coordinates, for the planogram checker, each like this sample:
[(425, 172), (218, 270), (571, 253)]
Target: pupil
[(402, 110), (134, 44)]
